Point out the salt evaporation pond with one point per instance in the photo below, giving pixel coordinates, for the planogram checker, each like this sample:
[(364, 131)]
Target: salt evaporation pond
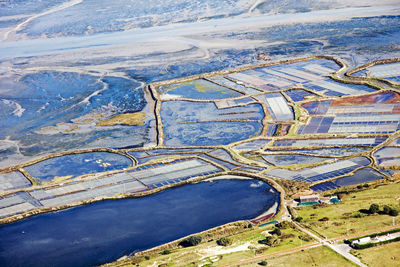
[(104, 231)]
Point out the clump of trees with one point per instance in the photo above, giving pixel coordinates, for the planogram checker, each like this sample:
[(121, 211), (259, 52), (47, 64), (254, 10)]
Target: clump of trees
[(191, 241), (298, 219), (283, 225), (224, 241), (271, 241), (374, 208), (276, 231)]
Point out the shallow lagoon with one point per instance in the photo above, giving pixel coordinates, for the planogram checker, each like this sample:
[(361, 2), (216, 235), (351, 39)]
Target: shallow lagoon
[(104, 231), (198, 89), (78, 164), (289, 159)]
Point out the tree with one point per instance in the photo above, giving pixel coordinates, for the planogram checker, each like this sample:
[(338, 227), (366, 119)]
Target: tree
[(269, 241), (386, 209), (374, 208), (191, 241), (263, 263), (298, 219), (324, 219), (393, 212), (165, 252), (277, 232), (224, 241)]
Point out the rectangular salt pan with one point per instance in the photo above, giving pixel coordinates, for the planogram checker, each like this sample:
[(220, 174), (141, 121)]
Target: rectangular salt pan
[(318, 69), (337, 87), (386, 70), (18, 208), (13, 180), (327, 142), (280, 108)]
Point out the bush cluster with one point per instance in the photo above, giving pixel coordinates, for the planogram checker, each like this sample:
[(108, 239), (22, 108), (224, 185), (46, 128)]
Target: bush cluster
[(191, 241), (374, 208), (224, 241)]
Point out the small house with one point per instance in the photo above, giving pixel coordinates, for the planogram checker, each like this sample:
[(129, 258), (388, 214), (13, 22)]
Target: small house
[(362, 240), (309, 198)]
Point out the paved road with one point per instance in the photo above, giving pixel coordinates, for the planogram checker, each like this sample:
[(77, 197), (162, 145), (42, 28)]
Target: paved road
[(344, 250)]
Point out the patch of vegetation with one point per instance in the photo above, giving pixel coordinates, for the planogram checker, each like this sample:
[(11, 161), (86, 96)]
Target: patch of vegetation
[(224, 241), (374, 208), (191, 241), (284, 225), (270, 241), (165, 252), (263, 263), (318, 256), (388, 255), (298, 219), (353, 213), (292, 187), (276, 231)]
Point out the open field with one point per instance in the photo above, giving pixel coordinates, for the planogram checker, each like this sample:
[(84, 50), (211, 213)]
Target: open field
[(244, 245), (319, 256), (347, 213), (387, 254)]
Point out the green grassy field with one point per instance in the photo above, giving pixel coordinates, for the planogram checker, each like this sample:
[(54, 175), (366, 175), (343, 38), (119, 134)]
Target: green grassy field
[(319, 256), (347, 213), (247, 241), (387, 255)]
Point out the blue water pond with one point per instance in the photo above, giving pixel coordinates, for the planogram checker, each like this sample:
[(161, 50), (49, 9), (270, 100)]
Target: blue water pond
[(104, 231), (78, 164)]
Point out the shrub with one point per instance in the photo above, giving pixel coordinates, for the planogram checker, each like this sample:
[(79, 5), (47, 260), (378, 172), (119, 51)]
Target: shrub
[(191, 241), (283, 225), (298, 219), (324, 219), (165, 252), (305, 237), (386, 209), (286, 236), (269, 241), (374, 208), (147, 257), (277, 232), (393, 212), (263, 263), (224, 241), (357, 215), (260, 251)]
